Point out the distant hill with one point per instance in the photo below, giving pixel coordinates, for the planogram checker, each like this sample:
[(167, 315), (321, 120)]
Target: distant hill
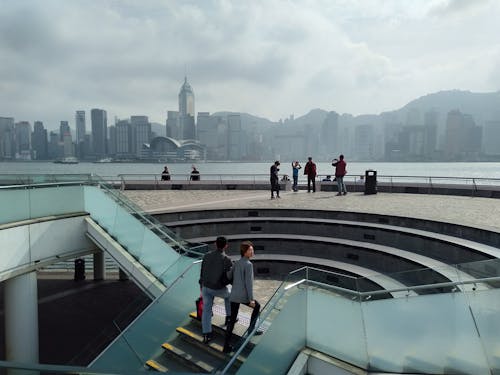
[(315, 116), (482, 106), (248, 120)]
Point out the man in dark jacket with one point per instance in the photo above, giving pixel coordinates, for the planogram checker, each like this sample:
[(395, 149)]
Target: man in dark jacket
[(310, 171), (340, 172), (275, 185), (213, 281)]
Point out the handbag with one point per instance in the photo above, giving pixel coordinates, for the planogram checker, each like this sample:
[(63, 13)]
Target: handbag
[(199, 307)]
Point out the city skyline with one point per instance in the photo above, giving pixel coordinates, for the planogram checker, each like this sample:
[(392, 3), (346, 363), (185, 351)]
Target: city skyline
[(419, 131), (267, 59)]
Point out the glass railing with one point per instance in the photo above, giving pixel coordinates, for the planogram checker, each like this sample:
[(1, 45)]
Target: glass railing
[(453, 331), (143, 237), (174, 273), (24, 199), (156, 324), (186, 178), (30, 179), (29, 202), (169, 236), (9, 367), (288, 300)]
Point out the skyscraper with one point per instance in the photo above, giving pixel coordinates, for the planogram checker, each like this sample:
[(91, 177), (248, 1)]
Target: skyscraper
[(7, 146), (141, 132), (98, 118), (173, 124), (186, 111), (23, 140), (39, 141), (64, 130), (80, 133), (123, 139)]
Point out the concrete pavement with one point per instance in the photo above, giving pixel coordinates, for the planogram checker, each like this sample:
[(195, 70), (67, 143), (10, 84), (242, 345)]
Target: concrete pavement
[(470, 211)]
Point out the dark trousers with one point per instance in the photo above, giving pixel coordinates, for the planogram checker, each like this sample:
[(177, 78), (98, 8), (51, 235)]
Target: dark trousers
[(235, 306), (275, 187), (309, 179), (295, 182)]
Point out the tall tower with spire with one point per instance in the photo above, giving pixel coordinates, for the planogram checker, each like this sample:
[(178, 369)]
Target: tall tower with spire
[(186, 111)]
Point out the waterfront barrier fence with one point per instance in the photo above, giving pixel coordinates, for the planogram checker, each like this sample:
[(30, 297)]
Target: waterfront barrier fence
[(473, 186)]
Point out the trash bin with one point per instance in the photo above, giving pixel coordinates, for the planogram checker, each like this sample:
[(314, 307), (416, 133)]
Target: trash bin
[(79, 269), (370, 182)]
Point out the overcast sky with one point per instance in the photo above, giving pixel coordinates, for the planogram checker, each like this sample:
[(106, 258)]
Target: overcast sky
[(267, 58)]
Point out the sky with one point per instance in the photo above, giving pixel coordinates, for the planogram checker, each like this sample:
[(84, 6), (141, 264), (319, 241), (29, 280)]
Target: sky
[(267, 58)]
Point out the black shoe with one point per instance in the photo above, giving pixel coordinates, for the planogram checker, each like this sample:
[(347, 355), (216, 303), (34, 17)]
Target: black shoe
[(258, 333), (227, 349), (345, 192), (207, 338)]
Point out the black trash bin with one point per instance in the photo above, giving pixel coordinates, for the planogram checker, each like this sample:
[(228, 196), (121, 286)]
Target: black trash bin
[(79, 269), (370, 182)]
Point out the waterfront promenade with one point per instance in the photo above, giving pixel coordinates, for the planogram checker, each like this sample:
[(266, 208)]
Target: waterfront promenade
[(469, 211), (71, 313)]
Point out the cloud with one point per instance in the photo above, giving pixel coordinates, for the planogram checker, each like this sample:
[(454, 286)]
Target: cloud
[(457, 7), (266, 58)]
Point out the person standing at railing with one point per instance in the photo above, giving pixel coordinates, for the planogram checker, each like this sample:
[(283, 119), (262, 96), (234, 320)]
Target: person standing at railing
[(295, 169), (213, 281), (340, 171), (242, 292), (165, 175), (310, 171), (275, 184), (195, 174)]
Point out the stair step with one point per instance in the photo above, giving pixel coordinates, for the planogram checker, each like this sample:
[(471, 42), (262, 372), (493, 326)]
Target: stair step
[(156, 366), (199, 339), (203, 366)]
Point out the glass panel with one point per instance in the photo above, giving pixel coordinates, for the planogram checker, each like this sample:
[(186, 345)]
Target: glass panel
[(332, 278), (275, 306), (485, 307), (416, 282), (129, 232), (175, 269), (56, 200), (481, 269), (101, 208), (156, 254), (155, 325), (425, 334), (14, 205), (119, 356), (335, 326), (7, 367), (288, 326)]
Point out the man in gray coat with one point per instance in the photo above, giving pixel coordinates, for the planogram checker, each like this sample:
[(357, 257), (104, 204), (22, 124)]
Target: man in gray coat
[(213, 281)]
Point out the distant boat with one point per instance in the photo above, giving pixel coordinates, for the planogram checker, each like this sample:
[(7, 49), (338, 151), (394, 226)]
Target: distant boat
[(67, 160), (105, 160)]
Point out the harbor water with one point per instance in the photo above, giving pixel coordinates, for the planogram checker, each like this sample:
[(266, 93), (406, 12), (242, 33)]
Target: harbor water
[(470, 170)]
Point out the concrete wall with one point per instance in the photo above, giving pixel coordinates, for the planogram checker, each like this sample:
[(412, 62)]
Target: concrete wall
[(29, 244)]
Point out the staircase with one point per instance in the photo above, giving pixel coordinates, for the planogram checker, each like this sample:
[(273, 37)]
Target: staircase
[(186, 352)]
